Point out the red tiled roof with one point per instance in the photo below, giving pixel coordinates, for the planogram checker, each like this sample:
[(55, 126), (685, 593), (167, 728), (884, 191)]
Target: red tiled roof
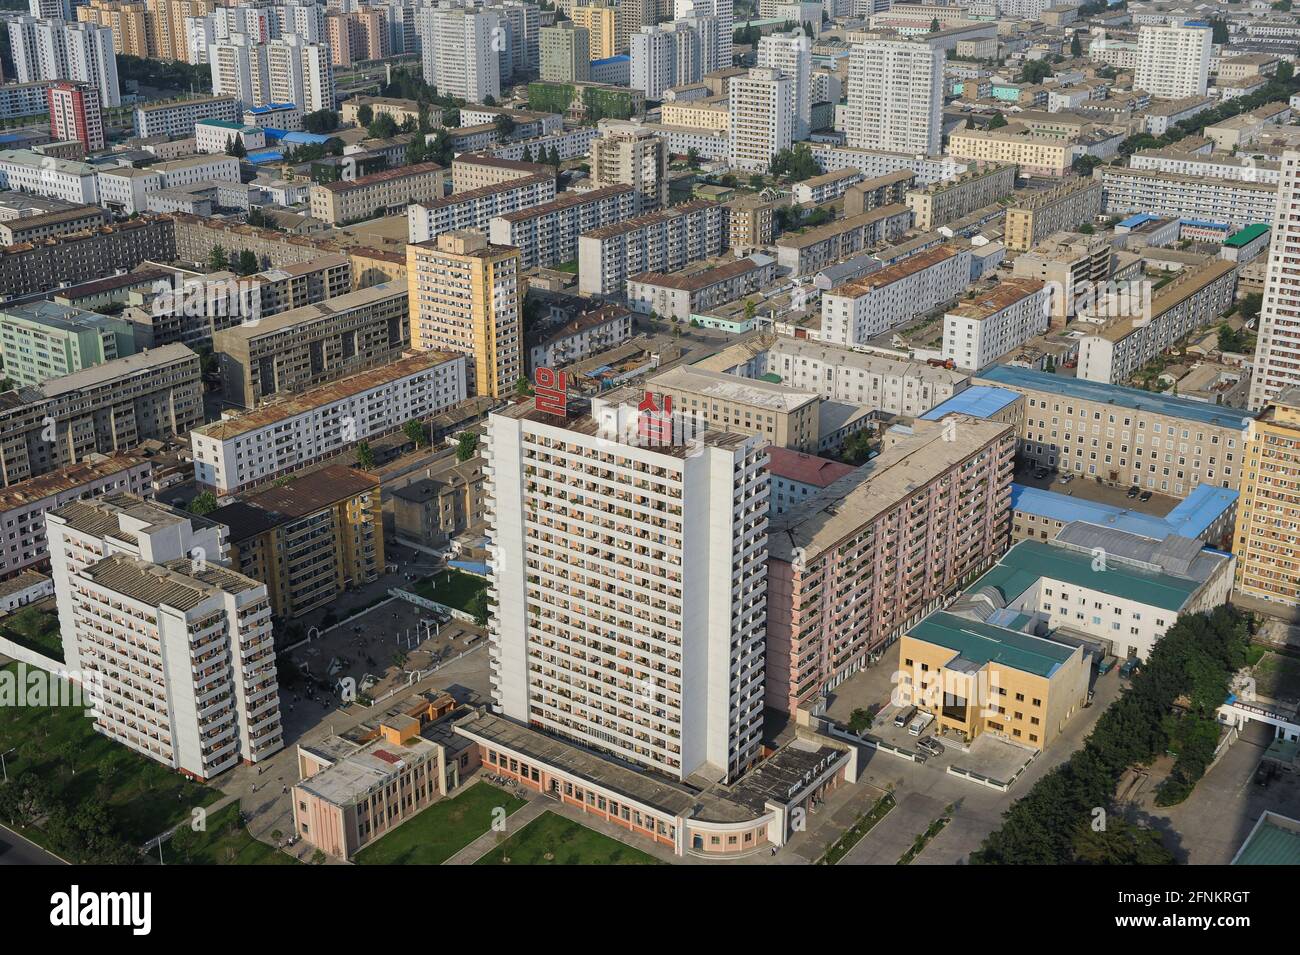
[(805, 468)]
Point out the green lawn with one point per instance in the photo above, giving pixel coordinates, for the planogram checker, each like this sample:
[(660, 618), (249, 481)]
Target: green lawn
[(570, 266), (440, 831), (452, 587), (59, 744), (1277, 677), (224, 842), (35, 629), (554, 840)]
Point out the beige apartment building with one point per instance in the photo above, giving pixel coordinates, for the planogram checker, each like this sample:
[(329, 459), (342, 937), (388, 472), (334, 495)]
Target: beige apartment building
[(1124, 437), (1070, 263), (480, 170), (105, 408), (888, 190), (1034, 216), (465, 297), (1268, 514), (781, 415), (1036, 154), (943, 202), (311, 345), (379, 194), (751, 222), (633, 156), (710, 113), (399, 109)]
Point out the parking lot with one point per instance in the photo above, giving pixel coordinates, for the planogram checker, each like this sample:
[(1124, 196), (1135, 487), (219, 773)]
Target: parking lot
[(1088, 489)]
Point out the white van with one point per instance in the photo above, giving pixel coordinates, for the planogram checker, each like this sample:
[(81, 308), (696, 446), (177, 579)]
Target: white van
[(905, 714), (918, 725)]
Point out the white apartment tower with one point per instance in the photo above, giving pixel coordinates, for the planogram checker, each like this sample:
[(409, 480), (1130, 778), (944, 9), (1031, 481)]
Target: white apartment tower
[(664, 56), (1173, 62), (629, 581), (761, 121), (175, 648), (299, 72), (58, 50), (457, 52), (724, 11), (791, 53), (895, 96), (1277, 353)]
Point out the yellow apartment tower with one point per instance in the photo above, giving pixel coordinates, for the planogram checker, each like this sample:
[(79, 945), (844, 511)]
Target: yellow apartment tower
[(1268, 514), (465, 297)]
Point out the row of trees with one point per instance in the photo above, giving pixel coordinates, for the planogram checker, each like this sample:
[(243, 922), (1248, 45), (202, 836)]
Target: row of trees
[(244, 262), (81, 830), (1169, 707)]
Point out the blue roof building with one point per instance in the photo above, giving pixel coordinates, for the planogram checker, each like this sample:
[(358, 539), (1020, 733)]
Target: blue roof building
[(1206, 514), (978, 401)]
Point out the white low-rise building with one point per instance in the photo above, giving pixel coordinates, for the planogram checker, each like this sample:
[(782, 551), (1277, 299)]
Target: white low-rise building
[(22, 170)]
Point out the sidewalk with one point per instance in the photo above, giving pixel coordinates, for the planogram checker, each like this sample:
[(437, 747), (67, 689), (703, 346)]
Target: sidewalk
[(490, 839)]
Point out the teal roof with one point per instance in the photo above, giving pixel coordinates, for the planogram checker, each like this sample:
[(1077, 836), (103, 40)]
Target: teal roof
[(1270, 844), (223, 124), (982, 643), (1245, 236), (1030, 560)]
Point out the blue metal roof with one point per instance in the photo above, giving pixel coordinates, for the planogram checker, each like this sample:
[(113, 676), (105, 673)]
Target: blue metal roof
[(1014, 376), (1137, 219), (621, 58), (269, 107), (979, 401), (1189, 519), (264, 155), (297, 138), (1204, 224)]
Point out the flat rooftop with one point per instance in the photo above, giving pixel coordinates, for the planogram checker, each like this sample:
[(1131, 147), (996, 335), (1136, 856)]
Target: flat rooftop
[(309, 401), (911, 462), (978, 401), (896, 272), (1190, 518), (143, 361), (983, 643), (724, 387), (318, 311), (66, 479), (1134, 399)]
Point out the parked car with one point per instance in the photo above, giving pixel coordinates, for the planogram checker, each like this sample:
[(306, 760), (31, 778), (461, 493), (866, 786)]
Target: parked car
[(918, 725), (1066, 478), (930, 745), (1128, 667), (904, 716), (1134, 491), (1144, 496), (1040, 473), (1106, 665)]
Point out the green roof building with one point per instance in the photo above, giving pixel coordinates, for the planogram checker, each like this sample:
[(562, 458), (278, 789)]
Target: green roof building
[(44, 340)]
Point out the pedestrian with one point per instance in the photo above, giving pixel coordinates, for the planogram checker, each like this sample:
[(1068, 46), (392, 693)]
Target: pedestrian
[(284, 791)]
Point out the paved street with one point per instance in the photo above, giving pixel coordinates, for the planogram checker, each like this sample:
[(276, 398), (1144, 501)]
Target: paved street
[(15, 850)]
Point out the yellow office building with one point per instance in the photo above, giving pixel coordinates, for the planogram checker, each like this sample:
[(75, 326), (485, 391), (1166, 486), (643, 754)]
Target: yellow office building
[(600, 24), (465, 297)]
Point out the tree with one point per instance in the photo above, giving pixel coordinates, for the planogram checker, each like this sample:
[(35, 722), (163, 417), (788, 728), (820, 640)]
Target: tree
[(365, 115), (235, 147), (321, 121), (217, 260), (477, 606), (1035, 71), (997, 120), (1076, 47), (382, 126), (527, 154), (416, 432), (247, 262), (934, 25), (693, 157), (504, 124), (204, 503), (794, 164), (1219, 30), (523, 388), (365, 456), (466, 445)]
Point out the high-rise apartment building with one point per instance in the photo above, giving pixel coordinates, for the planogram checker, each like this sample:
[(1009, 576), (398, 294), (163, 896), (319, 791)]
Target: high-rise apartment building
[(724, 12), (466, 298), (1174, 61), (761, 119), (565, 52), (634, 156), (459, 52), (75, 115), (791, 53), (175, 648), (1277, 353), (629, 584), (895, 94), (664, 56), (58, 50), (1268, 515), (599, 22), (284, 70)]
